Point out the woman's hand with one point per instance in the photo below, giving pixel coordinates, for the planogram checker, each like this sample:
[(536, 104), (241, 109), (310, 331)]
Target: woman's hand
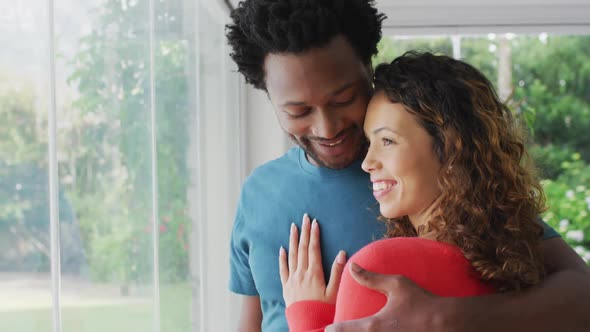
[(302, 274)]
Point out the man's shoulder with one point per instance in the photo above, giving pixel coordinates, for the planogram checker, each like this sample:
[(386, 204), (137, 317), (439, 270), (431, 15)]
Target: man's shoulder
[(286, 164)]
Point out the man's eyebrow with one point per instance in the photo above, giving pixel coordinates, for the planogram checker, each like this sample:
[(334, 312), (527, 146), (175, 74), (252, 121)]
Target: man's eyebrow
[(293, 103), (342, 88), (332, 94)]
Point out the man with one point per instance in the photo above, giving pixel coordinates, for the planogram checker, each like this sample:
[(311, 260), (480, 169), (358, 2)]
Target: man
[(313, 58)]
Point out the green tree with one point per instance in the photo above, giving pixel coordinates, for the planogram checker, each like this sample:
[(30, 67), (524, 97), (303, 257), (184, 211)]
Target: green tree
[(390, 48), (24, 197), (552, 79), (112, 76)]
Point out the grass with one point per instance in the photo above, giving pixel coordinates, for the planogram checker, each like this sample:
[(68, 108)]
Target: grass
[(175, 316)]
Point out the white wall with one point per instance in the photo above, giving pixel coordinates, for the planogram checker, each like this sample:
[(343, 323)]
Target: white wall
[(265, 139)]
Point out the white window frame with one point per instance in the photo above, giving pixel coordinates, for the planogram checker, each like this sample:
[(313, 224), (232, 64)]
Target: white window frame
[(426, 17)]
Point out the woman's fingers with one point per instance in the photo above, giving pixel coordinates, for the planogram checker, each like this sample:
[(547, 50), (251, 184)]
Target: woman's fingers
[(335, 276), (283, 266), (293, 246), (303, 243), (301, 270), (314, 250)]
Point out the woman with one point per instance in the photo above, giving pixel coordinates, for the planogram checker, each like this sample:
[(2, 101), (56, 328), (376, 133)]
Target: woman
[(449, 171)]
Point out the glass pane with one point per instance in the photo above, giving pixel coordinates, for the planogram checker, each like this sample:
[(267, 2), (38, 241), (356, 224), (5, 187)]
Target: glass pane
[(106, 164), (544, 79), (25, 304), (177, 133), (392, 46), (104, 152)]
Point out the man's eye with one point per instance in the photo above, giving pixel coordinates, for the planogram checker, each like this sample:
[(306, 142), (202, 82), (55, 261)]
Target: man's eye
[(298, 113), (344, 101)]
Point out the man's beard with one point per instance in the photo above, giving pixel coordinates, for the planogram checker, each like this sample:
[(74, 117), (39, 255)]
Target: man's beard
[(355, 133)]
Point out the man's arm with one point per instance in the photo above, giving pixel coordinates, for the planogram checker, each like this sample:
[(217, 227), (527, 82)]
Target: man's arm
[(250, 315), (559, 303)]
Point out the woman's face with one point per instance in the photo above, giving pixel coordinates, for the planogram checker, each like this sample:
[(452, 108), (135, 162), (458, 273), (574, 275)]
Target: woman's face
[(403, 165)]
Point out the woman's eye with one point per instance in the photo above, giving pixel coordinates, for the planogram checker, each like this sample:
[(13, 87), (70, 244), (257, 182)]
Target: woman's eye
[(387, 141)]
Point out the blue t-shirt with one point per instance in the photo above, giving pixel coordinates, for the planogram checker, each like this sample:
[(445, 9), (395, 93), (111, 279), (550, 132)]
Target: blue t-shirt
[(279, 193)]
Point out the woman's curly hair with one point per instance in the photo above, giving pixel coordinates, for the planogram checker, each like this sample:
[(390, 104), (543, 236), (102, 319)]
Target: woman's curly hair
[(490, 199), (261, 27)]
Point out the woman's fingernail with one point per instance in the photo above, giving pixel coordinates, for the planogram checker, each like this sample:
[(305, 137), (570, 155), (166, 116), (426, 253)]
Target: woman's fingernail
[(281, 251), (341, 259)]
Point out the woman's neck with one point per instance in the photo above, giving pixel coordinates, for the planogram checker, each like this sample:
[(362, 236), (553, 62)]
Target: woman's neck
[(421, 223), (421, 220)]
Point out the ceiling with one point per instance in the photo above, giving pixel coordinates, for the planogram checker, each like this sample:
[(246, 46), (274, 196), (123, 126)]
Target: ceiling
[(432, 16)]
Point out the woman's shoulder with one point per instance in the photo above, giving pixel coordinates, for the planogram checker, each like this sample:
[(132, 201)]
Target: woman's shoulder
[(438, 267), (412, 246)]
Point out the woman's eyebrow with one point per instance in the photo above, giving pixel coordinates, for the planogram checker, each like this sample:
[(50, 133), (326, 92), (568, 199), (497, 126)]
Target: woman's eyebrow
[(384, 128)]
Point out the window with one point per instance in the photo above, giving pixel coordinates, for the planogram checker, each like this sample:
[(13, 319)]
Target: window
[(147, 118)]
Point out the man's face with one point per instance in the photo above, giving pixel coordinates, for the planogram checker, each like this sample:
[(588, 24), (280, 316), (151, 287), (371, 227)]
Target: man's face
[(320, 99)]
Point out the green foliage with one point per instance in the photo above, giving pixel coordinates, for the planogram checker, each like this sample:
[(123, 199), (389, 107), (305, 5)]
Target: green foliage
[(569, 205), (480, 52), (561, 118), (389, 48), (550, 158), (113, 77), (24, 203), (552, 78), (104, 144), (23, 137)]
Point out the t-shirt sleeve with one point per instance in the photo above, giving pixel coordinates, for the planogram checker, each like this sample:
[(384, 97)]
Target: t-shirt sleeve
[(548, 231), (240, 279), (310, 316)]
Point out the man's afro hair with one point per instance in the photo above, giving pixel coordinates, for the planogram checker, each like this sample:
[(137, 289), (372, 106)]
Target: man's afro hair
[(261, 27)]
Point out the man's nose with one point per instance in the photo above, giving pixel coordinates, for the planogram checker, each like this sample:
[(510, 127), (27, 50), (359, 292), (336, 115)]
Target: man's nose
[(327, 124)]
